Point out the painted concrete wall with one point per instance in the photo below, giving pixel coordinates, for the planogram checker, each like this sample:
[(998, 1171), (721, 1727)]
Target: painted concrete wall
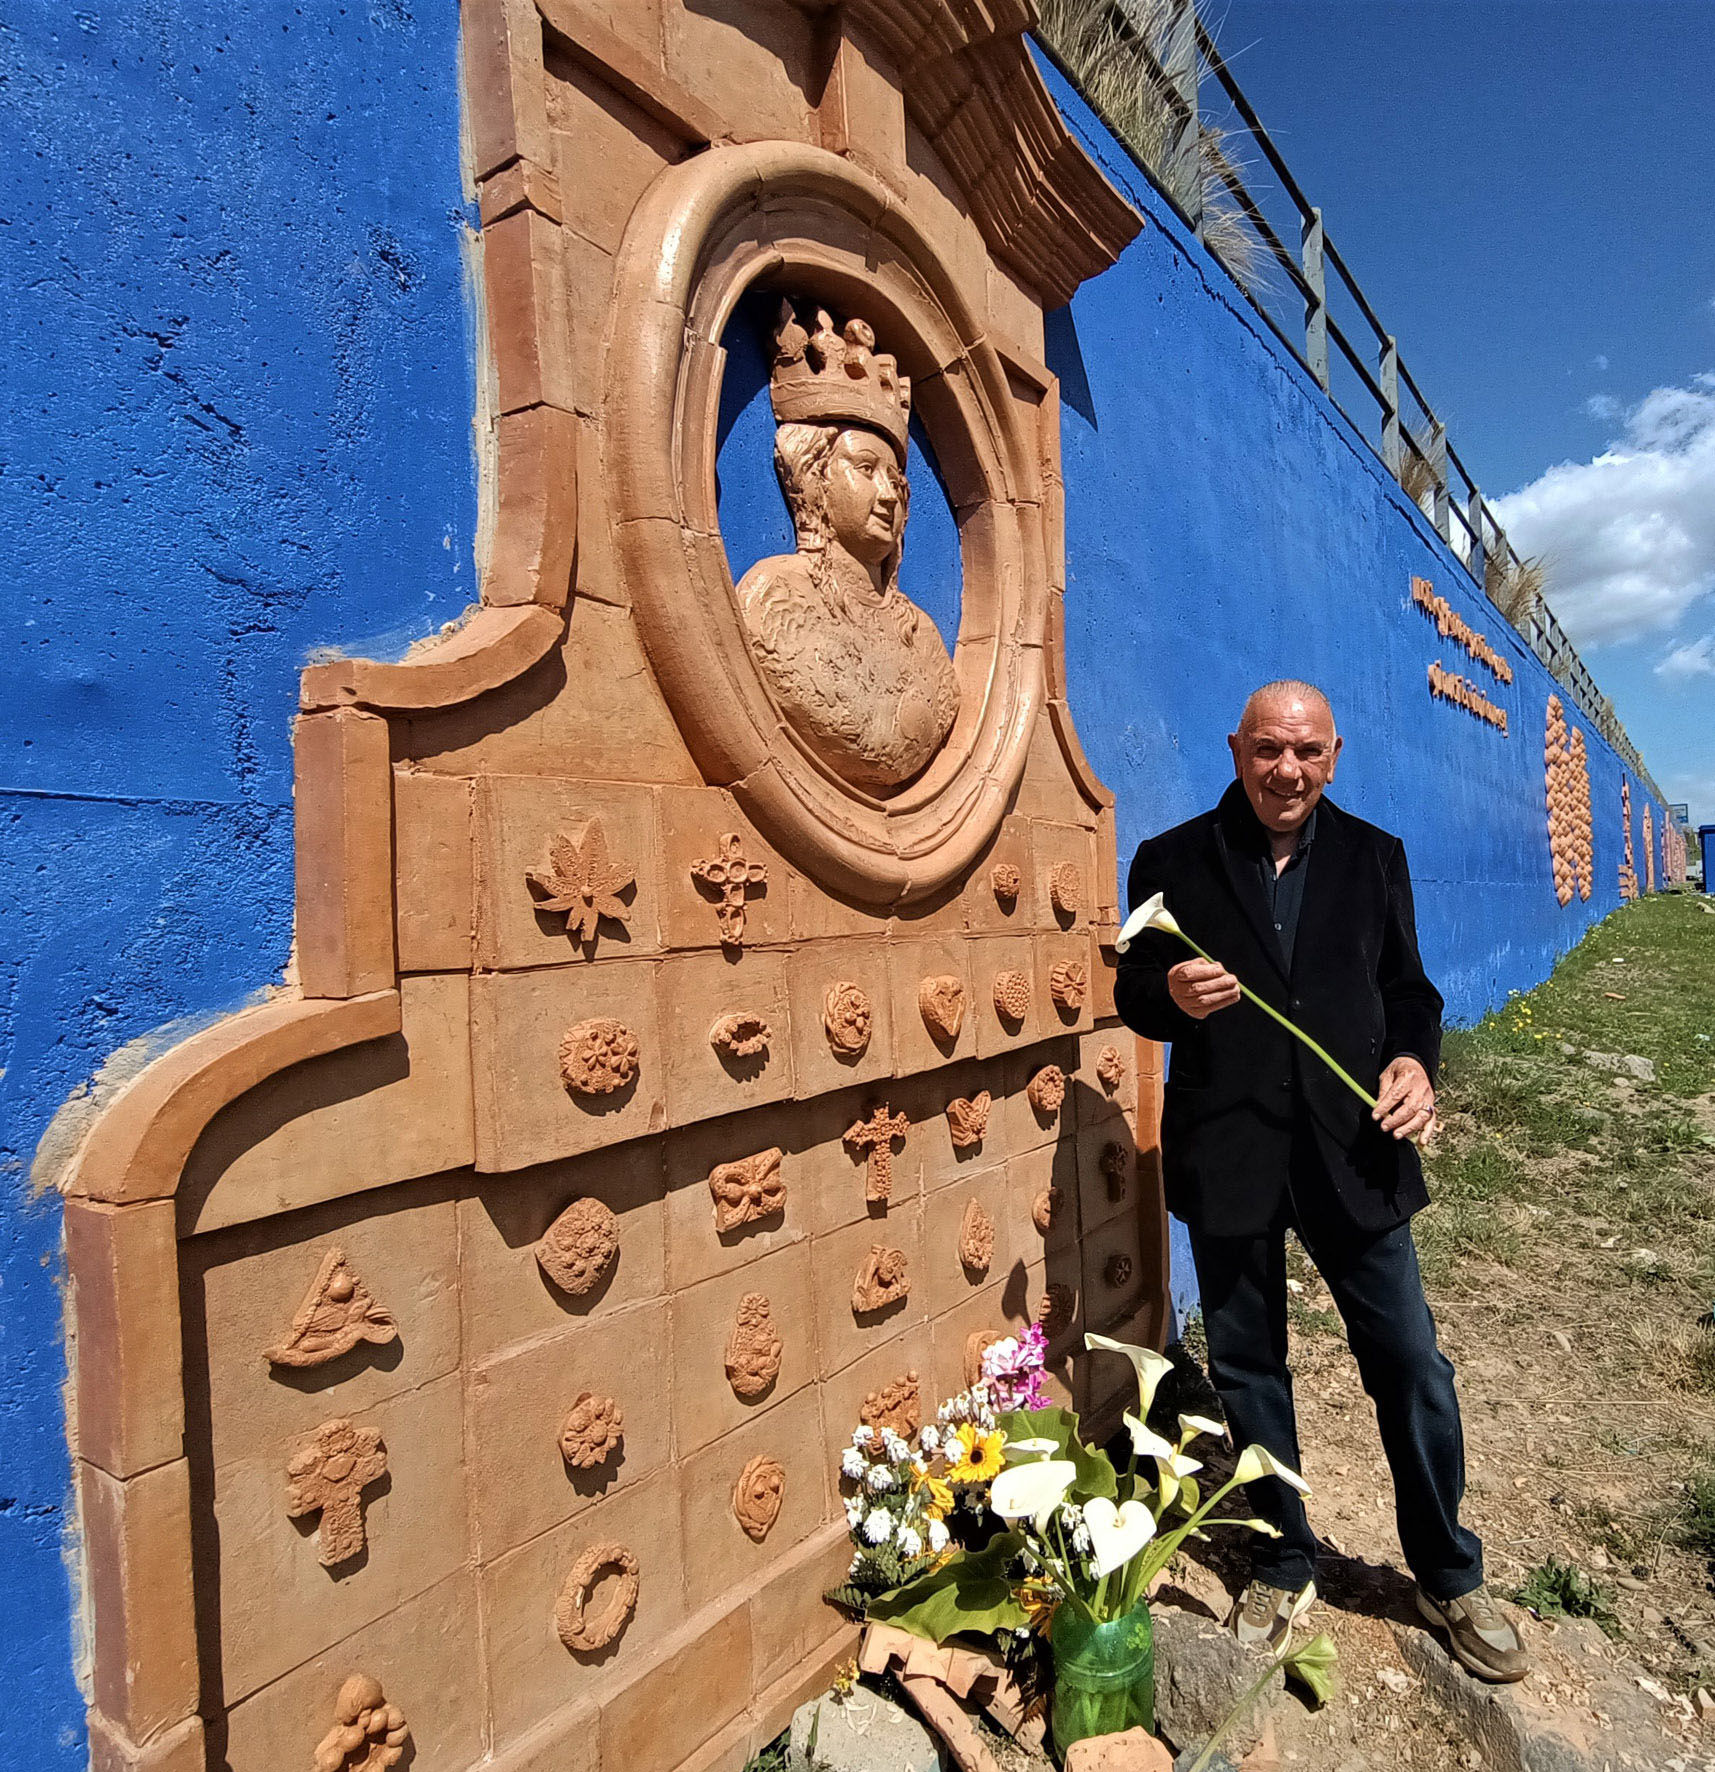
[(237, 428)]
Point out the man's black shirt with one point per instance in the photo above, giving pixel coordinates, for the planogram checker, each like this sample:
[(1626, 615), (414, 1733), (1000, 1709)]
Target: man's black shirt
[(1283, 888)]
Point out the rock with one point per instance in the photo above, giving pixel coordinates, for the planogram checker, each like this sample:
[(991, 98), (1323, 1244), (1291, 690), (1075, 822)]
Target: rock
[(1396, 1679), (1568, 1050), (1703, 1704), (1134, 1751), (1218, 1761), (1200, 1670), (1560, 1340), (865, 1733), (1627, 1064)]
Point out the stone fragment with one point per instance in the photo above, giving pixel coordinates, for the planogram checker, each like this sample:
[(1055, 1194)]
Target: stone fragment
[(598, 1056), (1069, 985), (968, 1118), (1200, 1671), (732, 876), (337, 1313), (577, 1630), (898, 1404), (581, 882), (1066, 888), (847, 1018), (1110, 1068), (579, 1247), (327, 1474), (740, 1035), (1046, 1090), (368, 1733), (592, 1431), (976, 1238), (865, 1732), (753, 1348), (1006, 880), (1047, 1207), (941, 1001), (757, 1496), (1623, 1064), (1012, 995), (1135, 1750), (883, 1279), (747, 1190), (876, 1135)]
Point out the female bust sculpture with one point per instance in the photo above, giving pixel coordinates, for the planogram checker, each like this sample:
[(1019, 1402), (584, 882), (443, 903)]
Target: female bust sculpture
[(858, 670)]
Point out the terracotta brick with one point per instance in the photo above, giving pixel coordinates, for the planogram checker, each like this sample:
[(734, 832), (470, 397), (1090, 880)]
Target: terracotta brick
[(677, 1704), (179, 1749), (943, 1161), (1103, 971), (915, 1046), (434, 891), (343, 804), (1028, 1176), (352, 1120), (1014, 311), (137, 1548), (529, 1670), (843, 1394), (504, 1293), (524, 277), (810, 973), (569, 1741), (123, 1262), (947, 1281), (1097, 1100), (719, 1556), (761, 48), (1026, 1128), (1105, 1300), (1047, 793), (696, 991), (695, 1250), (1054, 845), (692, 822), (989, 914), (819, 914), (502, 47), (520, 1483), (862, 108), (841, 1336), (534, 538), (278, 1605), (704, 1404), (1095, 1204), (1002, 1306), (989, 958), (789, 1620), (775, 1705), (521, 184), (1076, 949), (524, 1111)]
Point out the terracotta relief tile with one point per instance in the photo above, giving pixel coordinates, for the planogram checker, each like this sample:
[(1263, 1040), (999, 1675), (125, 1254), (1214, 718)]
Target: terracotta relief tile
[(506, 1297), (278, 1603), (1027, 1126), (1113, 1276), (947, 1279), (696, 1248), (249, 1295), (1109, 1184), (936, 972), (530, 1671), (680, 1700), (1064, 965), (692, 823), (704, 1403), (838, 1258), (811, 974), (1049, 796), (433, 887), (697, 993), (1005, 959), (521, 1483), (720, 1556), (1048, 1168), (944, 1161), (524, 1111), (1000, 1306), (425, 1655), (1065, 857), (1108, 1064)]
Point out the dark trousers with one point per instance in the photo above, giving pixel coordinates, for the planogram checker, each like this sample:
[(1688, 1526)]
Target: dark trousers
[(1379, 1292)]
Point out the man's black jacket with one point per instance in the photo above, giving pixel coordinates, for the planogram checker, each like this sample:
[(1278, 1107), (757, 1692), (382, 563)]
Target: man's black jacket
[(1237, 1080)]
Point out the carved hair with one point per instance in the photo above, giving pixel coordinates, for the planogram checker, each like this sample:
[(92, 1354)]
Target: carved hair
[(803, 454)]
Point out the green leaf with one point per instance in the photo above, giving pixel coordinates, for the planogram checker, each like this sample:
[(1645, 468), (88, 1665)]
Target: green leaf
[(969, 1593), (1095, 1474), (1312, 1665), (1190, 1496)]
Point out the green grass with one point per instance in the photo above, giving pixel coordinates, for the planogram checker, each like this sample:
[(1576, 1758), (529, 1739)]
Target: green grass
[(1554, 1589), (1695, 1528)]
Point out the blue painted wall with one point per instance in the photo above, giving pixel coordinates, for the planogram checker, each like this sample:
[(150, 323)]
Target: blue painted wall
[(237, 427)]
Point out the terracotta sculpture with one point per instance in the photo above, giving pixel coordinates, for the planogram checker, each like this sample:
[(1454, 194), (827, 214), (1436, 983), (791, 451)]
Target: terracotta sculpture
[(576, 1629), (1567, 783), (592, 1430), (753, 1348), (941, 1002), (758, 1495), (1068, 985), (858, 670), (579, 1247), (740, 1035), (968, 1118), (898, 1405), (976, 1238), (1056, 1309), (1110, 1068), (327, 1474), (1066, 888), (1046, 1090), (747, 1190), (883, 1279), (1046, 1207), (368, 1733), (598, 1057), (846, 1018), (733, 875), (581, 882), (876, 1135), (1012, 995), (338, 1312), (1006, 880)]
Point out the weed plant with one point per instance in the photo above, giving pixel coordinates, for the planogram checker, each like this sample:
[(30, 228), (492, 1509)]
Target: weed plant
[(1554, 1589)]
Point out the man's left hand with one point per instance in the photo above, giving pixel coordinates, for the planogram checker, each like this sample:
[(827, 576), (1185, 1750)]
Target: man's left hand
[(1405, 1101)]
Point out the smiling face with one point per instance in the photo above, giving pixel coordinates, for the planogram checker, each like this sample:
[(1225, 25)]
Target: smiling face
[(1284, 754), (865, 496)]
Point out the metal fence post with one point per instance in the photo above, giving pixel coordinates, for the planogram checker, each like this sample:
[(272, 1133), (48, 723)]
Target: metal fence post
[(1478, 563), (1183, 66), (1438, 468), (1389, 379), (1316, 302)]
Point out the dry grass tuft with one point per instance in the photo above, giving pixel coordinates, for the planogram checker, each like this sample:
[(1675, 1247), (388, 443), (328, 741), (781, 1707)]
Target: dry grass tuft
[(1514, 586)]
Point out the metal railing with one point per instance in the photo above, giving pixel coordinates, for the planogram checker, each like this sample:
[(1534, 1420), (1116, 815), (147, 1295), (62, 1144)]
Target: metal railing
[(1356, 360)]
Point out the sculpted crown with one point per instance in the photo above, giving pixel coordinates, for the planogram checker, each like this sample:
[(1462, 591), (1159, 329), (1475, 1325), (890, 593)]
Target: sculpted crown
[(828, 377)]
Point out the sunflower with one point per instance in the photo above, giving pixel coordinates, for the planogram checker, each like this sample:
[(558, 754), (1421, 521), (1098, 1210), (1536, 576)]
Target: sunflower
[(980, 1458)]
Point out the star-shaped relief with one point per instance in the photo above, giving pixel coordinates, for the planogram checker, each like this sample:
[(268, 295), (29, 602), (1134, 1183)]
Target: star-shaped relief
[(582, 882)]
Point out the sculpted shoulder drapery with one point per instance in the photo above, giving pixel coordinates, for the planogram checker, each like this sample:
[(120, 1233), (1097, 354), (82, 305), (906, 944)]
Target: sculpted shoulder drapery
[(858, 670)]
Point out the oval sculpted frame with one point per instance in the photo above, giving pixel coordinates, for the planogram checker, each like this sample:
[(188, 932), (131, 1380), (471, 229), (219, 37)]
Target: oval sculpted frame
[(800, 219)]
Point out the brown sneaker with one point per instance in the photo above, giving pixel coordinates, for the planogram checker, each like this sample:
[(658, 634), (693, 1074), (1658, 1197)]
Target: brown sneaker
[(1480, 1636), (1262, 1617)]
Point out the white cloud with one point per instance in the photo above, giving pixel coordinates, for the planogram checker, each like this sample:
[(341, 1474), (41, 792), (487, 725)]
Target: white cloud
[(1598, 362), (1696, 658), (1628, 538), (1604, 407)]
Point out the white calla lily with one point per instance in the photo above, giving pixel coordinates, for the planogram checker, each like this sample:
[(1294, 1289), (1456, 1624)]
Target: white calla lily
[(1038, 1448), (1256, 1462), (1151, 1366), (1151, 914), (1190, 1426), (1180, 1465), (1023, 1491), (1117, 1534), (1146, 1442)]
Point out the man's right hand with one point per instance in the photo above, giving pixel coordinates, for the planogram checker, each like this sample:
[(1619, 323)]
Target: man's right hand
[(1200, 987)]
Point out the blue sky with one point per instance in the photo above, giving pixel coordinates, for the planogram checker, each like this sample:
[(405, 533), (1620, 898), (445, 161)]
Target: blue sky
[(1526, 191)]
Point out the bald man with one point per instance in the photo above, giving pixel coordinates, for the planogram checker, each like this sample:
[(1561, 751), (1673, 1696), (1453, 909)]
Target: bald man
[(1312, 908)]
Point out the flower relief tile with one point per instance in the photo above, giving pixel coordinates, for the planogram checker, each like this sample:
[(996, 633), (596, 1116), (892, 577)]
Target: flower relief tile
[(1110, 1068), (1117, 1271), (581, 882), (1046, 1208), (337, 1313), (758, 1496), (1006, 882), (941, 1002), (876, 1135), (976, 1238), (579, 1248), (883, 1278), (968, 1119), (747, 1190), (740, 1035), (368, 1733), (897, 1405), (326, 1474), (1068, 985), (1012, 996), (1066, 888), (598, 1056), (978, 1343), (1046, 1090), (572, 1621), (592, 1431), (753, 1348), (731, 876), (846, 1019)]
